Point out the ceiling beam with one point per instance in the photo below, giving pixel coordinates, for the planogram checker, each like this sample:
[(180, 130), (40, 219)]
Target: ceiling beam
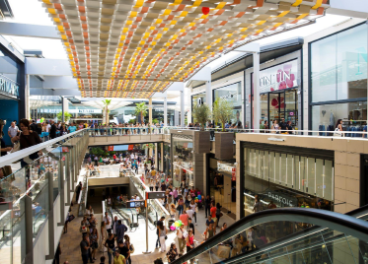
[(28, 30), (47, 67)]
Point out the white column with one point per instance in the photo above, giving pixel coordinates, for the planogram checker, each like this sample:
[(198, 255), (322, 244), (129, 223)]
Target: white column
[(256, 102), (27, 106), (150, 110), (182, 107), (165, 110), (208, 94)]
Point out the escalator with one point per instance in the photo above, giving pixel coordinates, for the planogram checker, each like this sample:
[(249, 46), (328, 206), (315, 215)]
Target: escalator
[(288, 235)]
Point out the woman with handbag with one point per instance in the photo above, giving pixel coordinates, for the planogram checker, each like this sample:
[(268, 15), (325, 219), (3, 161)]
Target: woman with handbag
[(162, 231), (94, 241)]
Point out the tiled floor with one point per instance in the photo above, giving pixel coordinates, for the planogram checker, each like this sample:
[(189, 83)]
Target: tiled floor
[(71, 250)]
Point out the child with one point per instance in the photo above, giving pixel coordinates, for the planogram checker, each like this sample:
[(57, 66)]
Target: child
[(191, 225)]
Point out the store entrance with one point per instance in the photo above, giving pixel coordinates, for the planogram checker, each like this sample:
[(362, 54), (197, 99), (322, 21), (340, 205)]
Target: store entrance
[(282, 104)]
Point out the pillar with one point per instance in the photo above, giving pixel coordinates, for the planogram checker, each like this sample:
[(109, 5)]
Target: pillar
[(209, 94), (64, 107), (165, 110), (50, 221), (27, 106), (256, 102), (150, 111), (182, 108), (162, 156), (61, 192)]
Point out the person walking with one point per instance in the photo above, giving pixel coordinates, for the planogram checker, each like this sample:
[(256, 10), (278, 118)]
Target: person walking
[(108, 223), (78, 190), (218, 214), (13, 130), (85, 248), (181, 235), (190, 241), (118, 258), (207, 205), (94, 243), (162, 219), (53, 130), (110, 245), (103, 236), (120, 231), (184, 218), (162, 234)]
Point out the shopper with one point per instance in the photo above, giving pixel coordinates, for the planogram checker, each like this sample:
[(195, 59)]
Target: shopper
[(173, 253), (118, 258), (85, 249), (130, 248), (162, 231), (110, 245), (13, 130), (218, 214), (190, 241), (120, 231), (162, 219), (184, 218), (181, 235), (108, 223), (53, 130), (213, 212), (94, 243), (210, 231), (78, 189)]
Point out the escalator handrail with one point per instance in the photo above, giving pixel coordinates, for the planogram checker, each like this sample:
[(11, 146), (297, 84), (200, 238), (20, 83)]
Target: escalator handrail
[(335, 221), (289, 239)]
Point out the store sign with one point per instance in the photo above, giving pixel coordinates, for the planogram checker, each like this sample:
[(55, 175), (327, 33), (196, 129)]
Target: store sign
[(51, 111), (227, 168), (283, 199), (85, 111), (8, 87), (233, 174), (280, 77)]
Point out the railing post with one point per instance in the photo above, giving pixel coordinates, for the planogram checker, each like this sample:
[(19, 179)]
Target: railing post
[(61, 192), (51, 242), (68, 177), (26, 229)]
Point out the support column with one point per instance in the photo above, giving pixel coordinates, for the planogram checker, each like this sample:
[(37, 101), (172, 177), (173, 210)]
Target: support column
[(162, 156), (209, 94), (65, 107), (26, 229), (165, 110), (68, 178), (182, 108), (62, 194), (150, 111), (256, 102), (27, 106), (156, 156), (50, 209)]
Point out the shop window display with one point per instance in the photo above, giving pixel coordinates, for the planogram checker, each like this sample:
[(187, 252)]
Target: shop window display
[(282, 179), (183, 162)]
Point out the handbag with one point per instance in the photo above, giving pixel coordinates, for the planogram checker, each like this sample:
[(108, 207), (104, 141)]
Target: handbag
[(337, 134), (71, 217), (131, 248)]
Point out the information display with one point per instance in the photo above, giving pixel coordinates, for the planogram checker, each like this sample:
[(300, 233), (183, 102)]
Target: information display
[(155, 195), (136, 204)]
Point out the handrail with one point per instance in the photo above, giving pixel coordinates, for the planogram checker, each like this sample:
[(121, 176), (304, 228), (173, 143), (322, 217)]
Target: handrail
[(16, 156), (335, 221), (360, 213)]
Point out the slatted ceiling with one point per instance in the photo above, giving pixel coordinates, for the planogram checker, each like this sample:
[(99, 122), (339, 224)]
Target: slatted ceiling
[(136, 48)]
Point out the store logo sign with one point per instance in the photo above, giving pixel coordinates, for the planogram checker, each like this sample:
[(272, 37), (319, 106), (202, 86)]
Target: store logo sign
[(229, 95), (279, 77), (8, 87), (280, 199)]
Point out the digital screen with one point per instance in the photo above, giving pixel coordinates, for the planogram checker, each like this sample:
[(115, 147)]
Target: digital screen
[(120, 147), (135, 204), (155, 195)]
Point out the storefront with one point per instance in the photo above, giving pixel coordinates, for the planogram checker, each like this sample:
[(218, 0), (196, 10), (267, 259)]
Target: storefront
[(222, 184), (183, 161), (167, 159), (197, 100), (12, 100), (286, 177), (338, 80), (233, 94)]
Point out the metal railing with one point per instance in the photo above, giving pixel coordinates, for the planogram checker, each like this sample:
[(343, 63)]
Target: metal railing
[(36, 196)]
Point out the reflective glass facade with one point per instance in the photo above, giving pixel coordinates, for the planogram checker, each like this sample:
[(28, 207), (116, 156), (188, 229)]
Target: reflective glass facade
[(233, 94), (183, 161), (338, 79)]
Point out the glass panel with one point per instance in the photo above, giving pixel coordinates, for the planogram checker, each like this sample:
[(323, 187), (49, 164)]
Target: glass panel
[(274, 105), (283, 169), (271, 171), (264, 107), (265, 165), (290, 171), (320, 175), (328, 181), (6, 237), (277, 168), (311, 176), (13, 186), (291, 112)]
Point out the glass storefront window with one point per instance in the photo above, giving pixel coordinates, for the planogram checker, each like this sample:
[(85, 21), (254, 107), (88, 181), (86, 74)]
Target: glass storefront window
[(339, 66), (183, 161), (291, 180), (324, 117), (167, 160)]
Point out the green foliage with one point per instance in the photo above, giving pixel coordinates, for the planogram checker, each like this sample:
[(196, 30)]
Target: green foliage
[(148, 146), (132, 121), (106, 102), (67, 116), (98, 151), (222, 112), (155, 121), (141, 109), (201, 114)]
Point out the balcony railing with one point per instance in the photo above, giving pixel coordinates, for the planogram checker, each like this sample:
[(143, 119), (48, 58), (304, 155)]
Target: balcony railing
[(34, 196)]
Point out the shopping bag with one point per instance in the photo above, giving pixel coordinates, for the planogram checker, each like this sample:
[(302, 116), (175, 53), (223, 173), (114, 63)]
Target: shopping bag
[(223, 251)]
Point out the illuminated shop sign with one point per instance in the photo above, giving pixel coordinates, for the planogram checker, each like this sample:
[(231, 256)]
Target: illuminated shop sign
[(226, 168), (8, 87), (85, 111), (285, 200), (280, 77)]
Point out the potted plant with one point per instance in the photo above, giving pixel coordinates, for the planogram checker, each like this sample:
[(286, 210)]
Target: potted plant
[(67, 116), (222, 113), (201, 114)]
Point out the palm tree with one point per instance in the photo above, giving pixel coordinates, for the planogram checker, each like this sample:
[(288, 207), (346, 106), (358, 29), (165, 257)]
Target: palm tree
[(141, 109), (106, 103), (148, 146)]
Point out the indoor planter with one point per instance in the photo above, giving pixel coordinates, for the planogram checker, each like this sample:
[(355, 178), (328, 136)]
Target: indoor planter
[(222, 113), (201, 114)]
